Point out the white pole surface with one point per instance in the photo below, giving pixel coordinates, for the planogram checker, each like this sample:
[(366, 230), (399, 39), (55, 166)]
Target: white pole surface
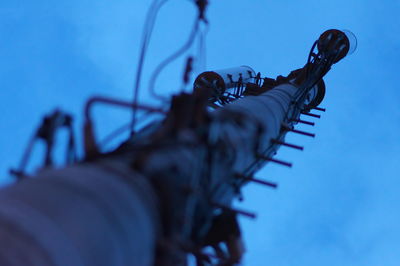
[(103, 213), (84, 215)]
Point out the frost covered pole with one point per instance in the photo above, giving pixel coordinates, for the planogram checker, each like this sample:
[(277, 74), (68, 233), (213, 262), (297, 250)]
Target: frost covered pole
[(167, 192)]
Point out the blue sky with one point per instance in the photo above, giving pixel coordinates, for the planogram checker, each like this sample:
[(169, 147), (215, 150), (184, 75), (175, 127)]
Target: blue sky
[(339, 203)]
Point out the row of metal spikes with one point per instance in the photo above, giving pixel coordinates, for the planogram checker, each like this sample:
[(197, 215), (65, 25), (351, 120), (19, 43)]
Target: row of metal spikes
[(263, 182)]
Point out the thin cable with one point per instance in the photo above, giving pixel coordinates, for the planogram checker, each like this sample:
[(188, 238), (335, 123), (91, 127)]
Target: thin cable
[(117, 132), (202, 49), (147, 32), (309, 58), (199, 60), (114, 134), (170, 59)]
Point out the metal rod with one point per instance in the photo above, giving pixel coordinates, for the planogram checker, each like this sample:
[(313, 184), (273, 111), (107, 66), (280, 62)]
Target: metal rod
[(256, 180), (303, 122), (309, 114), (262, 182), (265, 158), (287, 144), (301, 132), (110, 101), (242, 212), (320, 109)]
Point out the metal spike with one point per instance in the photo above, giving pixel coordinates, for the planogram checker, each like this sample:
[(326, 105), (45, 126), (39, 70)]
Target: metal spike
[(301, 132), (258, 181), (303, 122), (241, 212), (275, 161), (320, 109), (287, 144), (310, 114)]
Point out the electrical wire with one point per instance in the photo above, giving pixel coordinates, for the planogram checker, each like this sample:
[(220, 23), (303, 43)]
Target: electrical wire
[(149, 26), (114, 134), (147, 32), (118, 132), (170, 59), (200, 58), (310, 55)]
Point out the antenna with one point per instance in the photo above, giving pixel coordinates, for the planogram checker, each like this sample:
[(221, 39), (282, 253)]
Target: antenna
[(168, 190)]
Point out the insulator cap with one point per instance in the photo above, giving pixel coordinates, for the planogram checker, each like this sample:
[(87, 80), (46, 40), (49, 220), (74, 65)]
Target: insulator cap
[(220, 81), (343, 42)]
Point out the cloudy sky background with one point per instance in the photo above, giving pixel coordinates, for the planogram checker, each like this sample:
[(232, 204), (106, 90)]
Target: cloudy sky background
[(339, 203)]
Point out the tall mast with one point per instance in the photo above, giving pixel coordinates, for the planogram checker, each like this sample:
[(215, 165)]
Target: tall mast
[(167, 191)]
